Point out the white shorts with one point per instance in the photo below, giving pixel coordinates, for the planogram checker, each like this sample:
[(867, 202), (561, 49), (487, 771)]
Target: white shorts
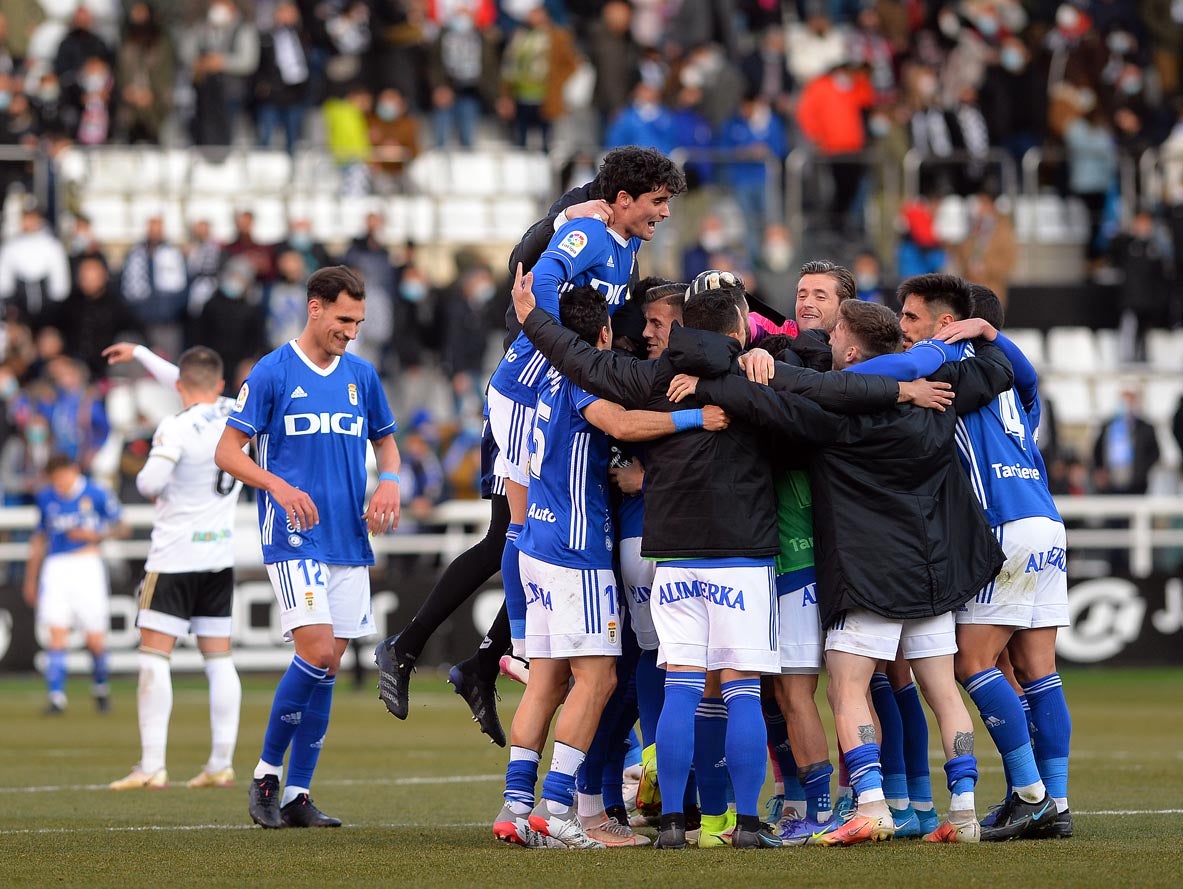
[(871, 635), (310, 593), (73, 592), (512, 425), (716, 618), (636, 574), (570, 612), (801, 649), (1031, 590)]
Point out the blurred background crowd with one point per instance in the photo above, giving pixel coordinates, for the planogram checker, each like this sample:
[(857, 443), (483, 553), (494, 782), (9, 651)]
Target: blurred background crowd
[(962, 96)]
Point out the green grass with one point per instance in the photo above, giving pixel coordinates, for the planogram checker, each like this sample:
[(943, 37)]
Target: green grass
[(59, 827)]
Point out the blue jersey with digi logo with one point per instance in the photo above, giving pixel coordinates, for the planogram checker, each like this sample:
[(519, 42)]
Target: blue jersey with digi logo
[(583, 251), (998, 451), (568, 522), (311, 426), (87, 507)]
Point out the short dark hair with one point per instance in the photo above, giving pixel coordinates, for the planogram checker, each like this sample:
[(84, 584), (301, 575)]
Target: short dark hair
[(330, 282), (672, 295), (59, 461), (643, 286), (584, 310), (637, 171), (875, 327), (987, 306), (946, 292), (201, 368), (775, 344), (715, 310), (843, 277)]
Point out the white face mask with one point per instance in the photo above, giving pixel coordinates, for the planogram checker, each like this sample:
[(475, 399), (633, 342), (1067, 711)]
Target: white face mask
[(761, 117), (713, 240), (777, 256)]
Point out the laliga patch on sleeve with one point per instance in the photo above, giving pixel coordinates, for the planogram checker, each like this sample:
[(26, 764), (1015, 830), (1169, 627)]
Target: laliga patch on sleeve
[(573, 243), (243, 393)]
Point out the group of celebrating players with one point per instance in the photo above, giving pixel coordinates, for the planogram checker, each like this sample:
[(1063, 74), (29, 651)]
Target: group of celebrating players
[(696, 506)]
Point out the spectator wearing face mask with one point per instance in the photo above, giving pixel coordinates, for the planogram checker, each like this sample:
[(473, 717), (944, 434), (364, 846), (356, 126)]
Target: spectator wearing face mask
[(462, 75), (868, 278), (301, 240), (232, 321), (79, 45), (644, 121), (465, 322), (755, 139), (145, 73), (713, 239), (222, 53), (281, 84), (1013, 99), (394, 138)]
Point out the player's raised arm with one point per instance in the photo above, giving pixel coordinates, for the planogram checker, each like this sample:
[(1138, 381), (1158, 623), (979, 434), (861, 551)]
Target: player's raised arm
[(382, 514), (162, 370), (296, 504)]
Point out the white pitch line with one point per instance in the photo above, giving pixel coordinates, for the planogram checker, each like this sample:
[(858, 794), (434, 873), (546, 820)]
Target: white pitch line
[(340, 782), (465, 825)]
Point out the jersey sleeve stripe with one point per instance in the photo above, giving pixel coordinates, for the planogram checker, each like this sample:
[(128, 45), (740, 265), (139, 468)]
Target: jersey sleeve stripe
[(392, 426), (241, 425)]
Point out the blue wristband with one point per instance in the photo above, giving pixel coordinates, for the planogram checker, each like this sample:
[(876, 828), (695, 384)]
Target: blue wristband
[(388, 477), (688, 419)]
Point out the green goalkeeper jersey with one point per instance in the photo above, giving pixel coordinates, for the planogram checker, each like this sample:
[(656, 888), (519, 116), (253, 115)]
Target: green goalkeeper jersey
[(794, 521)]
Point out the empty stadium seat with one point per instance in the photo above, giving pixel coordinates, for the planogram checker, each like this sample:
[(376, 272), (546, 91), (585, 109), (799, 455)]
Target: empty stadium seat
[(321, 210), (1072, 349), (1160, 398), (527, 173), (268, 172), (271, 220), (145, 207), (352, 214), (217, 211), (1030, 342), (464, 220), (474, 173), (1164, 349), (951, 221), (218, 175), (1107, 350), (512, 216), (108, 217), (1071, 399)]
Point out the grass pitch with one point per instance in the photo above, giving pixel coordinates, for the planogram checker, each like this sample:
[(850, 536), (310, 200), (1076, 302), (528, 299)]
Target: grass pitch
[(417, 798)]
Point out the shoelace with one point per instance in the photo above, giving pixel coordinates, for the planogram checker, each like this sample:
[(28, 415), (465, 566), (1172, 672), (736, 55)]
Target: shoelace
[(615, 828)]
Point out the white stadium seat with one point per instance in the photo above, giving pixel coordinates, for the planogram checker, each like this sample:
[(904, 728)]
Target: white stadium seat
[(271, 220), (108, 217), (464, 220), (526, 173), (1030, 342), (1072, 349), (474, 173), (1164, 349), (352, 214), (145, 207), (216, 175), (951, 221), (321, 210), (1160, 398), (1107, 350), (1071, 399), (268, 172), (217, 211)]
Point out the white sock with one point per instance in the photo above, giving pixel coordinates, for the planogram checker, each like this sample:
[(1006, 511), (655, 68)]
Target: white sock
[(922, 807), (263, 769), (566, 759), (1032, 793), (290, 793), (1061, 803), (154, 700), (962, 802), (225, 700), (797, 805), (589, 805), (518, 647), (899, 803)]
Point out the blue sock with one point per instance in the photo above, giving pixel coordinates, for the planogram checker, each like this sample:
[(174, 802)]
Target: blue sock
[(907, 699), (891, 742), (101, 672), (310, 734), (520, 776), (287, 708), (961, 773), (690, 796), (559, 784), (778, 743), (866, 773), (1052, 734), (1003, 716), (612, 784), (650, 695), (710, 757), (747, 739), (816, 785), (511, 579), (675, 737), (632, 756), (55, 671)]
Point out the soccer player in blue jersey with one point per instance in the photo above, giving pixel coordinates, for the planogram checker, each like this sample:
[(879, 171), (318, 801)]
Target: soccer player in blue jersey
[(573, 619), (638, 184), (311, 407), (997, 449), (65, 579)]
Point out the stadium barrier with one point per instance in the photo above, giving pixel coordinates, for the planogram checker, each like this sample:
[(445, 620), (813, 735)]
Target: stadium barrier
[(1127, 615)]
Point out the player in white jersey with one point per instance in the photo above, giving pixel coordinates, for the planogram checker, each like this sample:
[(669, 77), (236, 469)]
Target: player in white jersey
[(311, 407), (188, 583)]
